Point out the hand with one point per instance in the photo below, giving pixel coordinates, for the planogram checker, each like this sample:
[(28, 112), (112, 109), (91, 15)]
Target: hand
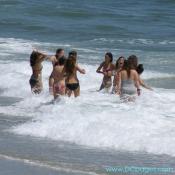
[(35, 50), (83, 71)]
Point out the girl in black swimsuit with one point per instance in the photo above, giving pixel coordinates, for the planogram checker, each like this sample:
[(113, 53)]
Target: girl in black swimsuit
[(71, 68), (36, 59)]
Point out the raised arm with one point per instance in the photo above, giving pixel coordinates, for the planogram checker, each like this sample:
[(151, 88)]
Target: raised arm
[(118, 83), (82, 71), (99, 68), (141, 82), (45, 56), (51, 58), (137, 84)]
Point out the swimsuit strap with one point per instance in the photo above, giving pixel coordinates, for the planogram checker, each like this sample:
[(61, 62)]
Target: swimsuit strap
[(107, 69), (56, 64)]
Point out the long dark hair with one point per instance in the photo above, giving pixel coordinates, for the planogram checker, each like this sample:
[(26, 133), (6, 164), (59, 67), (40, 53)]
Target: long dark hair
[(70, 65), (73, 53), (109, 54), (126, 67), (133, 61), (59, 50), (61, 61), (33, 58), (117, 62), (130, 63), (140, 69)]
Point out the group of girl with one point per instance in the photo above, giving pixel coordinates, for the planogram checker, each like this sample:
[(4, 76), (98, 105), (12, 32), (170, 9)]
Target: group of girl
[(126, 73), (63, 79)]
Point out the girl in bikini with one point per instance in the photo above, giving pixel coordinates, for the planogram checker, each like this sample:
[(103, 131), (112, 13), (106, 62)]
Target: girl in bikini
[(59, 54), (59, 78), (71, 68), (106, 68), (36, 59)]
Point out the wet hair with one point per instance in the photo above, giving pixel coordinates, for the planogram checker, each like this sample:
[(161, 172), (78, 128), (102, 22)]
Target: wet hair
[(33, 58), (109, 54), (62, 61), (73, 56), (70, 64), (73, 53), (59, 50), (117, 62), (133, 62), (126, 67), (140, 69)]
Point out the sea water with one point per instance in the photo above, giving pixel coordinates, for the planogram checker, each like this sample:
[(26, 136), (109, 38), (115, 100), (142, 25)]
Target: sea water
[(96, 123)]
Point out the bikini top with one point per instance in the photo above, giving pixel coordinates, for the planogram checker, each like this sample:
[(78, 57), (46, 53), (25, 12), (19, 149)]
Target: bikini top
[(56, 64), (107, 69)]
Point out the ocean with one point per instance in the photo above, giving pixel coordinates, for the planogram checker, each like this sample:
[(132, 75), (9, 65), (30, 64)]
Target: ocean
[(96, 130)]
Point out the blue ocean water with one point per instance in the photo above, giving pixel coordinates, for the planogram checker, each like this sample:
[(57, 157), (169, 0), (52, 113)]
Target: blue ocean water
[(145, 28), (82, 136)]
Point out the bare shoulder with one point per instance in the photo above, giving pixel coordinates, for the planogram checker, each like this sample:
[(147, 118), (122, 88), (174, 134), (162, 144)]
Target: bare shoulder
[(133, 71), (134, 74), (123, 72), (52, 58)]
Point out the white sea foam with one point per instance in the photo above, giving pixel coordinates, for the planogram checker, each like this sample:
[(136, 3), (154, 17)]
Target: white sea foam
[(100, 120), (9, 46), (136, 41), (94, 119)]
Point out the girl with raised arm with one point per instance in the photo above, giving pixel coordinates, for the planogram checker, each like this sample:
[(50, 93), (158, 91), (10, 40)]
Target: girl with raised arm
[(36, 59), (106, 68)]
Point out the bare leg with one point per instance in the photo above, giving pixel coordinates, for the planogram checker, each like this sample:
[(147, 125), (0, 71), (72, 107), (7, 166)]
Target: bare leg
[(102, 86), (51, 82), (69, 93), (55, 95), (77, 92)]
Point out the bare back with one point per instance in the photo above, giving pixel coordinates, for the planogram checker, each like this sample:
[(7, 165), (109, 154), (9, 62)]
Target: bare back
[(58, 74), (133, 75), (72, 78)]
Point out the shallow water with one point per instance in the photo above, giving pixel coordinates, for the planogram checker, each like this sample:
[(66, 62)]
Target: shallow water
[(84, 135)]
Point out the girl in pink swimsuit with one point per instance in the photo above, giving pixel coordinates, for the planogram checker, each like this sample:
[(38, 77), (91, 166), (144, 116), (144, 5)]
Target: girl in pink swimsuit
[(59, 78), (106, 68)]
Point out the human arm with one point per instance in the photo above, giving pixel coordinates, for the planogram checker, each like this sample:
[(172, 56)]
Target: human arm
[(118, 83), (99, 68), (137, 84), (82, 71), (141, 82), (45, 56)]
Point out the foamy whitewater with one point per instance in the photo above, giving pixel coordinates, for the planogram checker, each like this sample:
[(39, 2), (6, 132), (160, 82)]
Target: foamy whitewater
[(95, 119)]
